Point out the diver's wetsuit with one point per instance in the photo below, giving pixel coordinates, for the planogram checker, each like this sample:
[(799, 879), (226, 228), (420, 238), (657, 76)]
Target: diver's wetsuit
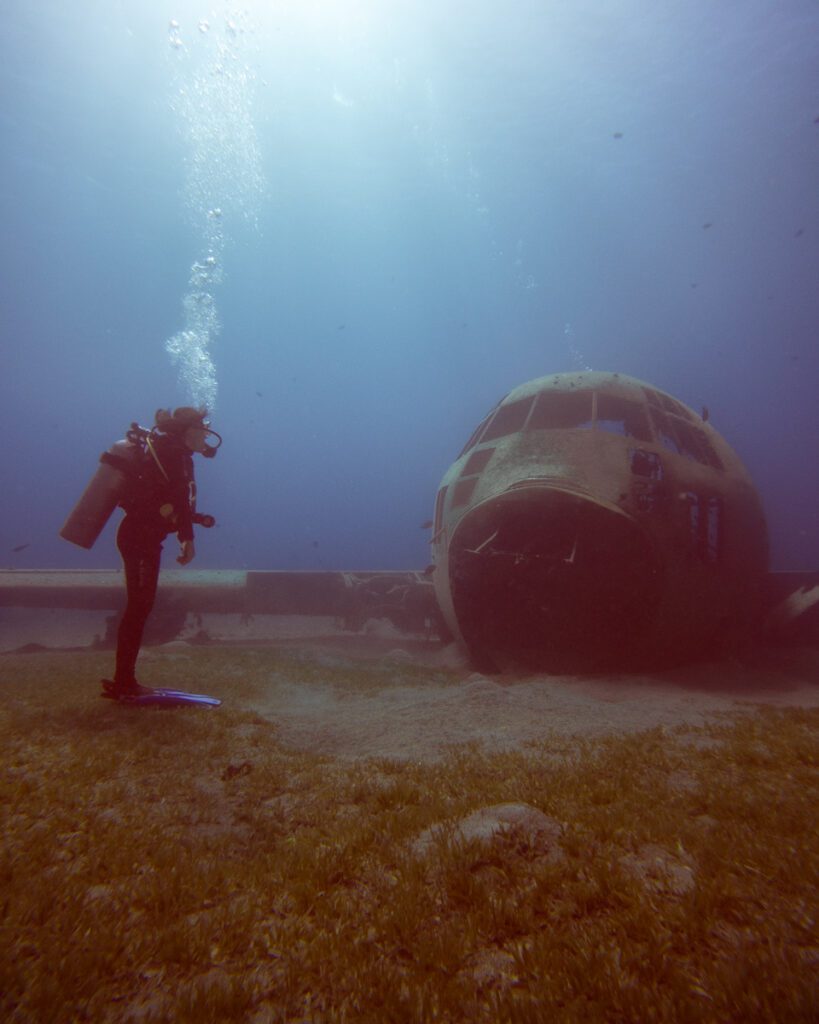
[(155, 507)]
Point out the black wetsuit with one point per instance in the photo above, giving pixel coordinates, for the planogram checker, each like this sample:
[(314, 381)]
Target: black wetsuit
[(158, 503)]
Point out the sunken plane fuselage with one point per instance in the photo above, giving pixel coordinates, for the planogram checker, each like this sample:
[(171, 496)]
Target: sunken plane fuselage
[(594, 521)]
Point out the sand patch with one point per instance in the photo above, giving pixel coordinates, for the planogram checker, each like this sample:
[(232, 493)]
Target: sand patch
[(422, 721)]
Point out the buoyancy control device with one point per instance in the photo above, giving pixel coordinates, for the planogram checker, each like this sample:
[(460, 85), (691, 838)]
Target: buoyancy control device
[(119, 468)]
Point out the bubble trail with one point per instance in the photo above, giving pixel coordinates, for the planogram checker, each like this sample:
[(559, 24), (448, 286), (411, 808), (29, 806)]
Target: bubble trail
[(577, 358), (213, 99)]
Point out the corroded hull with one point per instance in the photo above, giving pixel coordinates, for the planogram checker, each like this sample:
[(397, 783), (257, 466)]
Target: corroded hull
[(593, 522)]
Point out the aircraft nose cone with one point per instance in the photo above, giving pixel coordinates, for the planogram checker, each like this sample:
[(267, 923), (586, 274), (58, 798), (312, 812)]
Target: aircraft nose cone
[(546, 579)]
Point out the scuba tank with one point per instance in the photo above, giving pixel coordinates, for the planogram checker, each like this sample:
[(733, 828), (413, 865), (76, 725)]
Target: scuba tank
[(119, 470), (108, 486)]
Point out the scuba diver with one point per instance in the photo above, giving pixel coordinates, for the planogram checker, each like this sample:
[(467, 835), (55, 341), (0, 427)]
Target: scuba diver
[(160, 500), (150, 475)]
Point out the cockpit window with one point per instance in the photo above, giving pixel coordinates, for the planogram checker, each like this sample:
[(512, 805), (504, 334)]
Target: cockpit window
[(665, 431), (477, 461), (463, 491), (675, 407), (664, 418), (667, 403), (695, 445), (439, 511), (476, 433), (562, 410), (620, 416), (509, 419), (708, 451), (684, 438)]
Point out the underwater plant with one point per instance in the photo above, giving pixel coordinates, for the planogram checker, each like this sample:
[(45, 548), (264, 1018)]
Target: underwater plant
[(188, 866)]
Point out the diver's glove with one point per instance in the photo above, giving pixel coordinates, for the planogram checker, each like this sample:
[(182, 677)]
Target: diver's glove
[(188, 552)]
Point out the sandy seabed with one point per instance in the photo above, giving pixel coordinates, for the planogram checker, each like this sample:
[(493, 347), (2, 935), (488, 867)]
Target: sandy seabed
[(454, 705), (405, 715)]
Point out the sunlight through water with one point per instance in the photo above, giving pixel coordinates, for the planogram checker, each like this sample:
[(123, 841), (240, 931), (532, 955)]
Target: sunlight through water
[(213, 99)]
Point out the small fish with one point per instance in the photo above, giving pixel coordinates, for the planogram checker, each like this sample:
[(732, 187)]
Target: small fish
[(707, 225), (617, 135), (798, 233), (426, 525), (20, 547), (341, 327), (693, 284), (260, 394)]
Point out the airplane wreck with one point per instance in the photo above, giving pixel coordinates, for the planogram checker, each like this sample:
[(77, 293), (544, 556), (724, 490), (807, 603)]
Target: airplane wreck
[(594, 521), (591, 522)]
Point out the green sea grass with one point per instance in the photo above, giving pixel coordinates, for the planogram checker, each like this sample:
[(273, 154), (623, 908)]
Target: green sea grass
[(185, 865)]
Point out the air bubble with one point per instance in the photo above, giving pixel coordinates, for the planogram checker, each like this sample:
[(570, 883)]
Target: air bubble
[(213, 100), (174, 38)]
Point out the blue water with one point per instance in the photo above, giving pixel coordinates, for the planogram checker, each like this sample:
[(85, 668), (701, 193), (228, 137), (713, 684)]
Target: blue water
[(358, 224)]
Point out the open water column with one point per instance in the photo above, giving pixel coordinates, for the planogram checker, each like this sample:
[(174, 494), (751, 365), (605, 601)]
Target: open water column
[(214, 86)]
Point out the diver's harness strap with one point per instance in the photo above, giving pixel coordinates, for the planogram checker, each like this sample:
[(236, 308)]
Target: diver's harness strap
[(155, 457)]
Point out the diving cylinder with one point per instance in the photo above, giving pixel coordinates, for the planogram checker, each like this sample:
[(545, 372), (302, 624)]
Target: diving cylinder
[(102, 495)]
